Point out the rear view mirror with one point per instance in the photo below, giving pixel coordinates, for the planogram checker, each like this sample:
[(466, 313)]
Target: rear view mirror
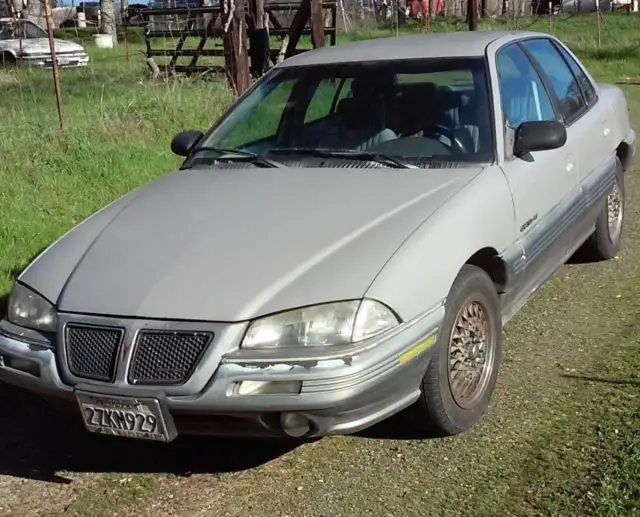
[(183, 142), (543, 135)]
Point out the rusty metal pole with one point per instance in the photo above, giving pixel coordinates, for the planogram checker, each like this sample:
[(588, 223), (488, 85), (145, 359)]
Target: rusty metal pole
[(124, 16), (54, 61), (126, 48), (598, 23), (15, 18)]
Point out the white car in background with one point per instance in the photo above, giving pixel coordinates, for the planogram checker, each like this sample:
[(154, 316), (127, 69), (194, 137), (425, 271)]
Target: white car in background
[(24, 43)]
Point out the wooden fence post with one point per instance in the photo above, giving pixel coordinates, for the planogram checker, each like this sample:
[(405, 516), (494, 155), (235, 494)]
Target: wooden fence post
[(317, 23), (235, 47), (472, 14)]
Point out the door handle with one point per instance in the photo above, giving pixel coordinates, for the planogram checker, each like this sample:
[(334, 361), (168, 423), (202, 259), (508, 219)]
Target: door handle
[(570, 166), (606, 131)]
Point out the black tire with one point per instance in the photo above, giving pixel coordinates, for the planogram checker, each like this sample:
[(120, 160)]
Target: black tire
[(437, 412), (602, 245)]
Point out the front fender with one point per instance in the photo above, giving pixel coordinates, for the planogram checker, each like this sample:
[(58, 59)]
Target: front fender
[(421, 272), (49, 277)]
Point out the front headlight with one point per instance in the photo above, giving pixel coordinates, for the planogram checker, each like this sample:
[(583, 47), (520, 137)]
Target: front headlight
[(29, 309), (329, 324)]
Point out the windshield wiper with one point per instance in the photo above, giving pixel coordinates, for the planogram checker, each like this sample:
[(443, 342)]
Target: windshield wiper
[(353, 155), (247, 156)]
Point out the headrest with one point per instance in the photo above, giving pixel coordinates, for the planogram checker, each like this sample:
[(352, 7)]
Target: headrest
[(359, 111), (449, 99), (379, 84)]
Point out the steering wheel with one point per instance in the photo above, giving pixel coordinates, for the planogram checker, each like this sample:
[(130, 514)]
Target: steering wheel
[(435, 130)]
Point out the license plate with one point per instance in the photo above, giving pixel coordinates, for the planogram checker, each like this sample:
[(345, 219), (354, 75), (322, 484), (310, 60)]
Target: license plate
[(60, 62), (141, 418)]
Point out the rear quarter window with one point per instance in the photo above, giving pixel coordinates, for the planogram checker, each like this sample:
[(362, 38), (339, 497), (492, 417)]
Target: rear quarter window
[(587, 86)]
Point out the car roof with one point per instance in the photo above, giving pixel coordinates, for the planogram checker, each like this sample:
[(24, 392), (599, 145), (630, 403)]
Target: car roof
[(430, 45)]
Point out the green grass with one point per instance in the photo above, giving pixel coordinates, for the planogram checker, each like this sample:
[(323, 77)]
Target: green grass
[(118, 130), (590, 465), (118, 125)]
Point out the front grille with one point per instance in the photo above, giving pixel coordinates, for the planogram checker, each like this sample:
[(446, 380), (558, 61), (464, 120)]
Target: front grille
[(162, 357), (92, 351)]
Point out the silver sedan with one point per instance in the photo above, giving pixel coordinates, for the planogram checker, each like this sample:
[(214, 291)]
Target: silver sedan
[(344, 244)]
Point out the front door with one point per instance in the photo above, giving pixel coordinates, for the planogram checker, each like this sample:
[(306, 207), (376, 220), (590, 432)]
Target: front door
[(543, 184), (576, 97)]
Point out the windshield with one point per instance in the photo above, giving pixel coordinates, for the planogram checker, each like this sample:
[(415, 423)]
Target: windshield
[(20, 30), (414, 110)]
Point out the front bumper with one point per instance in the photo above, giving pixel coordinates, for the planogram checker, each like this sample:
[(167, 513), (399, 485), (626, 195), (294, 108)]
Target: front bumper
[(63, 60), (341, 393)]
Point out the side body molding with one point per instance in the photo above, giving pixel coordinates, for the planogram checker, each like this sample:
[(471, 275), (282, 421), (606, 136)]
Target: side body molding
[(554, 238)]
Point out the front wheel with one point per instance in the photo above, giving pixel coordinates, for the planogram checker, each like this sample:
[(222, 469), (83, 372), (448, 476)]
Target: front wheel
[(460, 379), (7, 59)]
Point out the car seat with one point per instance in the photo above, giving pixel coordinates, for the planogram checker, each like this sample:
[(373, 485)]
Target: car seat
[(362, 123)]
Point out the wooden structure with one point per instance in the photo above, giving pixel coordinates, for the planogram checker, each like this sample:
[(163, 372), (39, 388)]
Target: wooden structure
[(241, 31)]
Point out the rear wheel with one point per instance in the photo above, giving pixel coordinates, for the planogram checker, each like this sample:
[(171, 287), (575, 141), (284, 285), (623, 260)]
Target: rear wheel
[(604, 242), (460, 379)]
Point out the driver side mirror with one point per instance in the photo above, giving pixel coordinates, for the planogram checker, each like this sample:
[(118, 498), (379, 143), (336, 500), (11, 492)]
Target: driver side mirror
[(543, 135), (184, 141)]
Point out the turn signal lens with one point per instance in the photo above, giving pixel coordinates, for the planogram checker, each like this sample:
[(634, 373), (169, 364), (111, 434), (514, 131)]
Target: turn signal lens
[(244, 388)]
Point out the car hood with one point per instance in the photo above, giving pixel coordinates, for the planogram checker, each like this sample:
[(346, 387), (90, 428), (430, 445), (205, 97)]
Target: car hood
[(231, 245), (39, 46)]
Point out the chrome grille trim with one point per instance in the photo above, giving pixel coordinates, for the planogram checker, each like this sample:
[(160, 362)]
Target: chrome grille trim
[(92, 350), (166, 357), (226, 337)]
